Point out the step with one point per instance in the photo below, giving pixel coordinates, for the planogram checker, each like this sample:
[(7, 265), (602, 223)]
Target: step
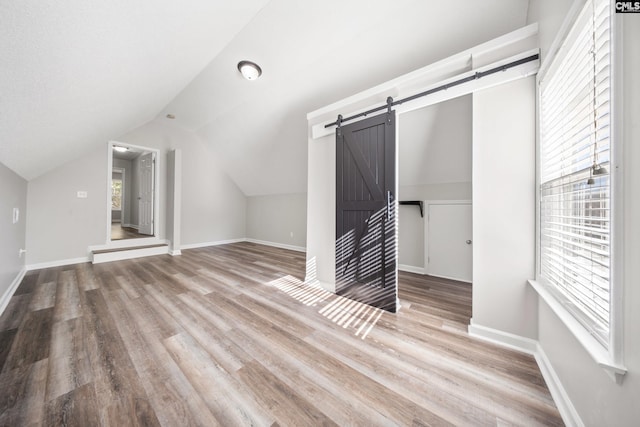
[(117, 254)]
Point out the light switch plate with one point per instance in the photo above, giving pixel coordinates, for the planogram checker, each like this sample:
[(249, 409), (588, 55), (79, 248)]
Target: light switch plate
[(16, 215), (82, 194)]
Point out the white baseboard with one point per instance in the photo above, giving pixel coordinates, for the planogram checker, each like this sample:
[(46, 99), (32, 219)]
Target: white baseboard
[(57, 263), (6, 297), (457, 279), (527, 345), (277, 245), (205, 244), (423, 271), (560, 397), (411, 269), (259, 242), (175, 252), (505, 339)]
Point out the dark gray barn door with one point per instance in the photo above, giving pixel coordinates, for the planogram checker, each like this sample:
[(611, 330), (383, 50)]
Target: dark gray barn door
[(366, 212)]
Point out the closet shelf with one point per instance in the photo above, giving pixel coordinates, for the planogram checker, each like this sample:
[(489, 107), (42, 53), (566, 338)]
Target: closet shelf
[(418, 203)]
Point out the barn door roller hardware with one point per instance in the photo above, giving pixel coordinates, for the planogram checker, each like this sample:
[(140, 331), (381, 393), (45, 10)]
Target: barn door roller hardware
[(339, 125), (478, 75)]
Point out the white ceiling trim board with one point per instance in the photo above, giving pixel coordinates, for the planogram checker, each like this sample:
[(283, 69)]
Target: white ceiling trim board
[(524, 41), (514, 73), (524, 70)]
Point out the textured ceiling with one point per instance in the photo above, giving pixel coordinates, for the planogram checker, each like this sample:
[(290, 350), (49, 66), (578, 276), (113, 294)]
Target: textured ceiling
[(76, 74)]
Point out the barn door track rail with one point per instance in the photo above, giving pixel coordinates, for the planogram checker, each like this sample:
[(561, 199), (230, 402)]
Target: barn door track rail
[(391, 103)]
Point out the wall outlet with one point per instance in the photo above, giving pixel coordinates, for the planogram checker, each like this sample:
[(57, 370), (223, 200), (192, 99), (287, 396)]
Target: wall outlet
[(291, 234), (82, 194), (16, 215)]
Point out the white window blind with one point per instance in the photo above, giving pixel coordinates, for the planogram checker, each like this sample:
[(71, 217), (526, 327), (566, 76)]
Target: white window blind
[(575, 196)]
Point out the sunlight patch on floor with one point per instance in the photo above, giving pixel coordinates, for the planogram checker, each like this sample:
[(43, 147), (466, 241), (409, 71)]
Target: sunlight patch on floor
[(306, 294), (342, 311)]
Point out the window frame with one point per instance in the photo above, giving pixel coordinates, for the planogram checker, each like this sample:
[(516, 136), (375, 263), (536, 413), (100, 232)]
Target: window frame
[(610, 359)]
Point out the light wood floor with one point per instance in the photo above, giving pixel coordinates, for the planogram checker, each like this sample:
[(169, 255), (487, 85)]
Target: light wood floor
[(230, 336), (118, 232)]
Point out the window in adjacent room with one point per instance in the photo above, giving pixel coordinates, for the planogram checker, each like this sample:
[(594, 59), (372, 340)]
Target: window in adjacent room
[(116, 194)]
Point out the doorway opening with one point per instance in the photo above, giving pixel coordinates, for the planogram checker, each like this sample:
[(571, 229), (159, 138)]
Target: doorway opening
[(132, 202), (435, 189)]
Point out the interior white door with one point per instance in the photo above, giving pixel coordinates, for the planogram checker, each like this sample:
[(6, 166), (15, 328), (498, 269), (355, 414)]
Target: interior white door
[(145, 212), (449, 251)]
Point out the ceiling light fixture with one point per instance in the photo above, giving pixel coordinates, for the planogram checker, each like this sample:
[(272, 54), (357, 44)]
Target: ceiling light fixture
[(171, 116), (120, 149), (250, 70)]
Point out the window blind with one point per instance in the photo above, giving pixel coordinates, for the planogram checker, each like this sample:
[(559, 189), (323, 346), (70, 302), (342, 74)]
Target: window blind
[(575, 190)]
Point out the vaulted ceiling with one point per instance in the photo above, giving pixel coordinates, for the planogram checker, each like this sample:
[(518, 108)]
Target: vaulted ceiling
[(78, 73)]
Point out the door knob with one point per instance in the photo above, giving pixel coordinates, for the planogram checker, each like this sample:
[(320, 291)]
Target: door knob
[(468, 242)]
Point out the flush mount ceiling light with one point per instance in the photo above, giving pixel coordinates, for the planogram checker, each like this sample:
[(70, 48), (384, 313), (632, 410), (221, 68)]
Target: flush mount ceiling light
[(120, 149), (250, 70)]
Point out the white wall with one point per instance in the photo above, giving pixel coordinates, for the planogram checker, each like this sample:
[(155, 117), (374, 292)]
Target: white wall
[(411, 225), (434, 163), (174, 199), (449, 191), (62, 227), (279, 219), (434, 144), (549, 15), (597, 399), (321, 209), (213, 207), (410, 239), (504, 208), (13, 194)]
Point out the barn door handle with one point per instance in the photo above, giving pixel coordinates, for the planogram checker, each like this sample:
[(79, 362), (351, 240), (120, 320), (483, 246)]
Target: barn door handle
[(389, 205)]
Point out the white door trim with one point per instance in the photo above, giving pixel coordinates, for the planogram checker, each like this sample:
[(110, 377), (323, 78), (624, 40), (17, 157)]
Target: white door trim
[(146, 187), (427, 204)]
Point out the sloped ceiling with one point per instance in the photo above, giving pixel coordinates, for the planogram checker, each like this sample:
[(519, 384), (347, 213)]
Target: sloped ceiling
[(76, 73), (81, 74), (435, 144)]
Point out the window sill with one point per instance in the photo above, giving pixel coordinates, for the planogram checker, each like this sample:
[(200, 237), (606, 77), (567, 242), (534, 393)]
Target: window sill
[(599, 354)]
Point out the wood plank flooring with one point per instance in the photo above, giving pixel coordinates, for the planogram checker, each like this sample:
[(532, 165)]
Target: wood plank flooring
[(230, 336), (118, 232)]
